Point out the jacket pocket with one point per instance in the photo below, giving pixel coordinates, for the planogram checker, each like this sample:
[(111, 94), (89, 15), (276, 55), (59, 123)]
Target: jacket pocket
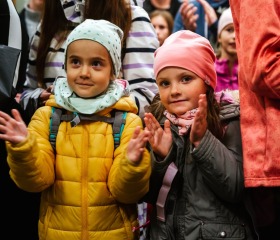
[(218, 231)]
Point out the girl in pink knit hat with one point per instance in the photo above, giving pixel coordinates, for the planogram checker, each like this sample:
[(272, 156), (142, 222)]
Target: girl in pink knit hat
[(196, 186)]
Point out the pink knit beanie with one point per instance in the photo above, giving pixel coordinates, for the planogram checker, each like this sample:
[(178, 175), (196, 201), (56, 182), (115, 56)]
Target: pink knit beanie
[(190, 51)]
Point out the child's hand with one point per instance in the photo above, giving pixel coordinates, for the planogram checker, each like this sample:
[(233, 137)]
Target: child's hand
[(12, 129), (45, 95), (160, 139), (137, 144), (199, 125)]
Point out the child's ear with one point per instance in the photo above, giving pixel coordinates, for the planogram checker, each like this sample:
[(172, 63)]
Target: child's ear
[(112, 77), (219, 39), (120, 76)]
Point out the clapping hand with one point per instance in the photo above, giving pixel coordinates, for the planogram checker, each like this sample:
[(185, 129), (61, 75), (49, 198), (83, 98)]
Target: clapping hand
[(199, 125), (14, 129), (160, 139), (137, 144)]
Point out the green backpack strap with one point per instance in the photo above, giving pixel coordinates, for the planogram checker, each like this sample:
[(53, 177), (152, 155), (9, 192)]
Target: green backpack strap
[(118, 126), (118, 122), (54, 125)]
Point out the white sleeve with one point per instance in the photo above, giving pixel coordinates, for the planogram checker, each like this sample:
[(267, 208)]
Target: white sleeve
[(138, 60)]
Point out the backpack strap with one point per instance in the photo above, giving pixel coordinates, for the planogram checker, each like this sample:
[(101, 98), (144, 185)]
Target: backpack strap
[(164, 190), (118, 126), (118, 122), (54, 125)]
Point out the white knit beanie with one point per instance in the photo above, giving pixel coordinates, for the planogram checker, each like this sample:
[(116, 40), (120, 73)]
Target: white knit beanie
[(225, 19), (106, 33)]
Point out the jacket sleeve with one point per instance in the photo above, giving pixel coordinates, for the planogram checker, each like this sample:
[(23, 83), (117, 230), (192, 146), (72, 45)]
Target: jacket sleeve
[(129, 182), (258, 54), (220, 163), (32, 162), (138, 60)]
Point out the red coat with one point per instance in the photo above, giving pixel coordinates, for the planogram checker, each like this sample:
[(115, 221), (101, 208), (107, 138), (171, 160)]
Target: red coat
[(257, 28)]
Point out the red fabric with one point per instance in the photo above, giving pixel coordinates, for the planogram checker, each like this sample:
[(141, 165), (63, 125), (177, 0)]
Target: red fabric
[(257, 29)]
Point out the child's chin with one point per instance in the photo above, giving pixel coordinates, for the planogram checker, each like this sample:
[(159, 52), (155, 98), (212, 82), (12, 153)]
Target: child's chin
[(81, 95), (179, 112)]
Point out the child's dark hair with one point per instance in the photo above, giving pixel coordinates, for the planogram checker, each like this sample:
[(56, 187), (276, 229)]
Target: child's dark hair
[(49, 27), (213, 109)]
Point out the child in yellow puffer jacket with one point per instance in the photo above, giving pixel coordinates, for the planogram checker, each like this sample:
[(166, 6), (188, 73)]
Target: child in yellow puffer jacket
[(89, 189)]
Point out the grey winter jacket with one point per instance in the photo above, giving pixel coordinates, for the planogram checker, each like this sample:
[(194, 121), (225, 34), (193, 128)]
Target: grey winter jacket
[(206, 196)]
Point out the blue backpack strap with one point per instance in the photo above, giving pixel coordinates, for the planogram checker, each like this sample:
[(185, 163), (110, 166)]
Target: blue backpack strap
[(118, 126), (54, 125)]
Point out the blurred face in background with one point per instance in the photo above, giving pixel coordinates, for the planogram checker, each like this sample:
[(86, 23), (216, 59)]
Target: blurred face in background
[(36, 5), (227, 43), (161, 27)]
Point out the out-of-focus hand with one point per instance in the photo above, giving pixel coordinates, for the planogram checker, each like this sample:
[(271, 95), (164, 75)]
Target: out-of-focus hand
[(45, 95), (160, 139), (17, 98), (210, 14), (199, 125), (189, 15), (137, 144), (12, 129)]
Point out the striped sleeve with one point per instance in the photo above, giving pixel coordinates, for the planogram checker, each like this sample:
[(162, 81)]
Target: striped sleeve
[(53, 68), (138, 61)]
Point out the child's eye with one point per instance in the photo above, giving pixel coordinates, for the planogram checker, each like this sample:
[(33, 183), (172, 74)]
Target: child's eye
[(161, 27), (75, 61), (230, 29), (96, 64), (186, 79), (164, 84)]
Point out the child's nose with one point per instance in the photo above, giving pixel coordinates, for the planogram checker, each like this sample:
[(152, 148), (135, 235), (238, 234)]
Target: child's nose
[(85, 71), (175, 89)]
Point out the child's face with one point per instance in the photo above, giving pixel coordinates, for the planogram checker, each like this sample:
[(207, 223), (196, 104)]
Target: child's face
[(179, 89), (161, 27), (226, 40), (89, 68)]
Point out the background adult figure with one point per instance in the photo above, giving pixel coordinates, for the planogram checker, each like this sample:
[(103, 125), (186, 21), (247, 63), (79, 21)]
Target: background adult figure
[(30, 16), (46, 55), (171, 6), (200, 16), (257, 33), (20, 209)]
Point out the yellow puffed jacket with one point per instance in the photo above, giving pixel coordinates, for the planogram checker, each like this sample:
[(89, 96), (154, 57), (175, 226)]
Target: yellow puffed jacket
[(89, 191)]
